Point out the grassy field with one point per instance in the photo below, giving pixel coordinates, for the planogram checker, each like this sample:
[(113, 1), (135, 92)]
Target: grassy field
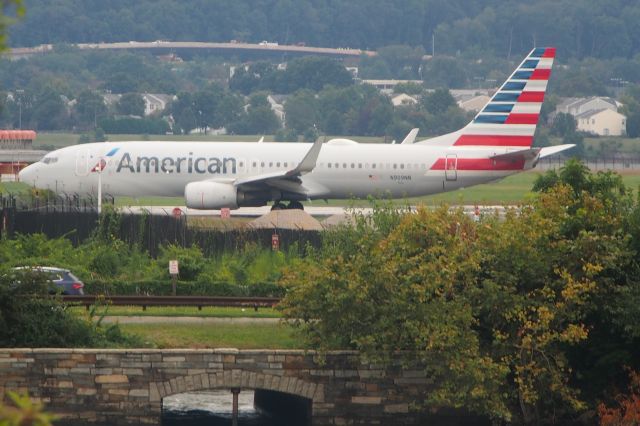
[(185, 311), (250, 336)]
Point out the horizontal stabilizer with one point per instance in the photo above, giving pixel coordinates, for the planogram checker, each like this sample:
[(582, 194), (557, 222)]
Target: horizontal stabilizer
[(550, 150), (523, 153)]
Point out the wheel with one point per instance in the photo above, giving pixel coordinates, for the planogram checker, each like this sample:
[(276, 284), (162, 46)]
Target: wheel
[(295, 205), (278, 206)]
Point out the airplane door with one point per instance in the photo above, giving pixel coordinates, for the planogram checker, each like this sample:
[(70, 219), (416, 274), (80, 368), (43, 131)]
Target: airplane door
[(82, 162), (451, 167)]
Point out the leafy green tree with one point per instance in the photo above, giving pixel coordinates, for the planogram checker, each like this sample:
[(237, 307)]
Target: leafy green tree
[(50, 111), (315, 73), (438, 101), (25, 413), (444, 72), (301, 111), (89, 108), (563, 125), (131, 104), (7, 9), (184, 112)]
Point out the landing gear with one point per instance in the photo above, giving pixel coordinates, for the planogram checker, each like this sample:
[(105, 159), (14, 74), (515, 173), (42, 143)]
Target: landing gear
[(293, 205)]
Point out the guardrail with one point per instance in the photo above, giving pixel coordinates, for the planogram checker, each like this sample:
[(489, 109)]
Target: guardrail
[(198, 301)]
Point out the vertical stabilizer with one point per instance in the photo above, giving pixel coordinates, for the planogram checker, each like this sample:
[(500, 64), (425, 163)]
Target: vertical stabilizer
[(509, 119)]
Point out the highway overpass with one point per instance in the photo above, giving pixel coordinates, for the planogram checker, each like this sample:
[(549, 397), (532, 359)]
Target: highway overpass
[(194, 46)]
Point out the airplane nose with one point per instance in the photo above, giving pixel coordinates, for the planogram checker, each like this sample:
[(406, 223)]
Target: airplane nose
[(29, 175)]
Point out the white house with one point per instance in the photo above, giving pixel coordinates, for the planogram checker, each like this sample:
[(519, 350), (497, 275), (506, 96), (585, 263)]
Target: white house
[(474, 104), (403, 99), (155, 102), (577, 106), (603, 122)]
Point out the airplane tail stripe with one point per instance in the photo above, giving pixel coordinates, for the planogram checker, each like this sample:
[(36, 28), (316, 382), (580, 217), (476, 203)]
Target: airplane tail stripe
[(494, 140), (541, 74), (531, 97), (522, 119), (549, 52), (480, 164)]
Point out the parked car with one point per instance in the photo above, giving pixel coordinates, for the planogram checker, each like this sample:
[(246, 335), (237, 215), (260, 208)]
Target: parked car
[(62, 280)]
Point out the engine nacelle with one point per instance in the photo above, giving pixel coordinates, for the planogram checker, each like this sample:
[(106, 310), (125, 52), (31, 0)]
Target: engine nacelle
[(210, 195)]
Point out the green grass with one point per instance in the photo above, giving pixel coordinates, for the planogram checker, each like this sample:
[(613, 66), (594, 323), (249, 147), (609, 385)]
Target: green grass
[(15, 188), (250, 336), (186, 311)]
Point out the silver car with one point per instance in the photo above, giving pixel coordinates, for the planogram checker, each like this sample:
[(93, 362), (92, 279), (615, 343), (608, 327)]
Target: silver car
[(62, 279)]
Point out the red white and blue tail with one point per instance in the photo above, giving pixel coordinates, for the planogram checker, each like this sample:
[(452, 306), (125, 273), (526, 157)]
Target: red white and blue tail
[(509, 119)]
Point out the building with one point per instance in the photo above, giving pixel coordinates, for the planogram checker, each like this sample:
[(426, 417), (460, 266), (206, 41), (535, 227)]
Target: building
[(16, 152), (474, 104), (403, 99), (155, 102), (603, 122), (386, 86), (577, 106)]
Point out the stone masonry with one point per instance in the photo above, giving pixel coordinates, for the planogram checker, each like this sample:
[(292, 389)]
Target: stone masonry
[(123, 387)]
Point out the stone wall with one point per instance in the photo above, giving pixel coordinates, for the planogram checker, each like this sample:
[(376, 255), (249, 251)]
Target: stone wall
[(127, 386)]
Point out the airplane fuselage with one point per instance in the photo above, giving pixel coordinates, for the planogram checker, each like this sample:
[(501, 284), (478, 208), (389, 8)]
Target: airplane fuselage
[(342, 170)]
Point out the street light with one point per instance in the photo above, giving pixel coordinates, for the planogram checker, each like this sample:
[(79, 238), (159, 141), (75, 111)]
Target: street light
[(20, 92)]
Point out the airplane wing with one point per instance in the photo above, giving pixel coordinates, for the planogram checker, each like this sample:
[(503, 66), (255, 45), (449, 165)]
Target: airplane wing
[(287, 180)]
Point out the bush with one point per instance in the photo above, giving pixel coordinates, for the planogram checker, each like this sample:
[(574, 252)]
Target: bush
[(29, 317), (203, 287)]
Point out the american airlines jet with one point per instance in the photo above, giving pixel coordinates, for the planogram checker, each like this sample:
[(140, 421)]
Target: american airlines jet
[(214, 175)]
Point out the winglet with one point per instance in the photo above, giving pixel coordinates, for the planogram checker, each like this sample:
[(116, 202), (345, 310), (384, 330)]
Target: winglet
[(411, 137), (308, 163), (261, 139)]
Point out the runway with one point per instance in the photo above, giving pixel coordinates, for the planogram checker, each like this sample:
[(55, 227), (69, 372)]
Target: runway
[(316, 211)]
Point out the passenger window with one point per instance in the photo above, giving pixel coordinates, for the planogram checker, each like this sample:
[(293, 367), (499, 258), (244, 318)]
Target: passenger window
[(329, 165), (278, 164), (353, 166)]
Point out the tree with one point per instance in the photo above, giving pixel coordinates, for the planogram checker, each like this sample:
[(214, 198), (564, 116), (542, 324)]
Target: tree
[(7, 8), (301, 111), (315, 73), (131, 104), (438, 101), (563, 124), (89, 108)]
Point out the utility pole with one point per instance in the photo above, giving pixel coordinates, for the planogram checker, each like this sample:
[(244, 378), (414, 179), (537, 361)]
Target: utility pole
[(19, 92)]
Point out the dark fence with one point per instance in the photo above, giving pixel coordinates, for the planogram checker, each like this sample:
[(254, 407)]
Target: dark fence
[(78, 220)]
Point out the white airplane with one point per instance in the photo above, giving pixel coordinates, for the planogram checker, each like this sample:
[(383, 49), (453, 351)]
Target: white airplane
[(214, 175)]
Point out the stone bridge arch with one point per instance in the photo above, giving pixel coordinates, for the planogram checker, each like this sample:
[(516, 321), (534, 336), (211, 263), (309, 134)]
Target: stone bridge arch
[(239, 379)]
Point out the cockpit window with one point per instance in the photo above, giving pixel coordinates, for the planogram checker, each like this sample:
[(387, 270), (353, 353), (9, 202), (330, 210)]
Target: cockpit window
[(50, 160)]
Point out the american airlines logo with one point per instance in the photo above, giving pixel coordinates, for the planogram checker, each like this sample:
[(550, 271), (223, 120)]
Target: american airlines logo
[(189, 164)]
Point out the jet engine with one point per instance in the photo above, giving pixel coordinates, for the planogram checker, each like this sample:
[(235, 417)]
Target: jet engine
[(210, 195)]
